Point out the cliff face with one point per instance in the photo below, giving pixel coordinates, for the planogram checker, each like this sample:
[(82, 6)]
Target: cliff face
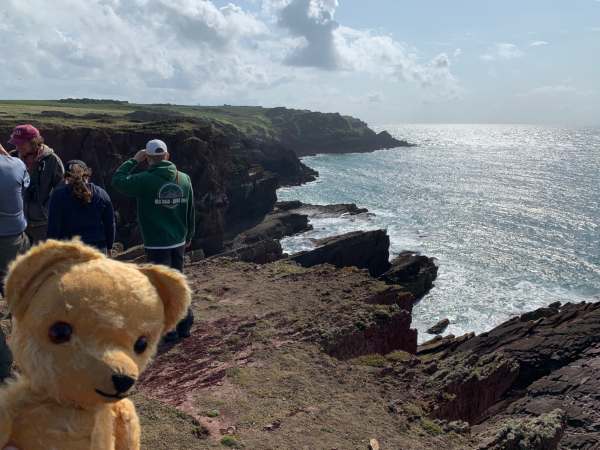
[(309, 133), (237, 157), (235, 178)]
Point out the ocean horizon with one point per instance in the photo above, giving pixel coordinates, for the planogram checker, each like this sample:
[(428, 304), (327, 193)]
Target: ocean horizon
[(510, 212)]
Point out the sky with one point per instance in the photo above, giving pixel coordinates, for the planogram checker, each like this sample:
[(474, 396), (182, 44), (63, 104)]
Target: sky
[(385, 61)]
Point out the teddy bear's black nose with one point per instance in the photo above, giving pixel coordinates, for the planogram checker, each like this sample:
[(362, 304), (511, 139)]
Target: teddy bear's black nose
[(122, 383)]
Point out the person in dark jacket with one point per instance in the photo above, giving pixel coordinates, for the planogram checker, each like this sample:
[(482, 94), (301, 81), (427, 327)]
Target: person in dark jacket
[(80, 208), (46, 172)]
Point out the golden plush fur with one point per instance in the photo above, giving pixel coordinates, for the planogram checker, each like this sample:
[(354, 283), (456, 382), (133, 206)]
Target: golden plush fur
[(66, 397)]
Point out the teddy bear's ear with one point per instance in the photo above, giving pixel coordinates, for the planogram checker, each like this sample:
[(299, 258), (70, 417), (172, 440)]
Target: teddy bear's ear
[(27, 273), (173, 289)]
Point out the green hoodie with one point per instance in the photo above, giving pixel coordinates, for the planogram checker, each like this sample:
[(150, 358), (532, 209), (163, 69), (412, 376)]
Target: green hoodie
[(165, 202)]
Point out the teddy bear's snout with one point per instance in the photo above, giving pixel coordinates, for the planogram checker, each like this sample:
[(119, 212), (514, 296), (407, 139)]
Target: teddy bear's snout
[(122, 383)]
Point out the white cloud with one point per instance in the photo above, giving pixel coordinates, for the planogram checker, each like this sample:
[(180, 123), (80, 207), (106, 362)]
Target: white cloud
[(384, 57), (539, 43), (502, 51), (191, 50), (312, 21), (458, 52), (326, 44)]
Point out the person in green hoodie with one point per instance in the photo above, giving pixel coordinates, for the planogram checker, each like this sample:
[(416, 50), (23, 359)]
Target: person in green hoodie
[(165, 207)]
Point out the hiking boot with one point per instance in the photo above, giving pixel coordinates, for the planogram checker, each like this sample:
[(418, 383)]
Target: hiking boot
[(184, 334), (184, 327), (170, 337)]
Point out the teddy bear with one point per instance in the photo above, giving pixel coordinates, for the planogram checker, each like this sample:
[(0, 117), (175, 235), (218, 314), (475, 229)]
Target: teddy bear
[(84, 328)]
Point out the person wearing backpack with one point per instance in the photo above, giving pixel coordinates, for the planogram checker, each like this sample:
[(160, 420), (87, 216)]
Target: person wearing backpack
[(165, 207), (46, 172)]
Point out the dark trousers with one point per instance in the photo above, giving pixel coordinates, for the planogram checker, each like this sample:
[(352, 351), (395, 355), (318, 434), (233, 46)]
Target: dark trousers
[(173, 258), (170, 257), (10, 248), (37, 232), (5, 358)]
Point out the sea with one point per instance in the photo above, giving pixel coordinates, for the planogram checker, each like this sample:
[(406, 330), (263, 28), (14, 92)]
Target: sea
[(510, 212)]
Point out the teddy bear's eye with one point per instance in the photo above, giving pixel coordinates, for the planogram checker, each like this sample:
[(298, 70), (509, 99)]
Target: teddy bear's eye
[(60, 333), (141, 345)]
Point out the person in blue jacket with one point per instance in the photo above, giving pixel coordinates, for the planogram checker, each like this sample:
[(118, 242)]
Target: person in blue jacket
[(80, 208)]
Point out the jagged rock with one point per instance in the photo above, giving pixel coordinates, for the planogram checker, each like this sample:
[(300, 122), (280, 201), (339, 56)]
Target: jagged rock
[(541, 313), (573, 388), (5, 358), (439, 327), (274, 226), (390, 295), (527, 368), (540, 433), (288, 205), (337, 209), (384, 332), (415, 272), (468, 386), (363, 249), (442, 345), (262, 252)]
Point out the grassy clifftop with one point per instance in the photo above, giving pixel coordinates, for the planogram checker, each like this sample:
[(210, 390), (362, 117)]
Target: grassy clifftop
[(305, 132), (250, 120)]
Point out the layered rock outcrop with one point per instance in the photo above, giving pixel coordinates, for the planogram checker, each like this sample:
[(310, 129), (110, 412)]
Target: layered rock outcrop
[(525, 368)]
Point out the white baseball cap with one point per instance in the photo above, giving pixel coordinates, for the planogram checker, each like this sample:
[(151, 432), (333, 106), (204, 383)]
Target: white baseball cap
[(156, 147)]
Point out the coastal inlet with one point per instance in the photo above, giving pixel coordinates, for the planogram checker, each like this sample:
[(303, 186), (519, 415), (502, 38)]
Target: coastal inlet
[(510, 212)]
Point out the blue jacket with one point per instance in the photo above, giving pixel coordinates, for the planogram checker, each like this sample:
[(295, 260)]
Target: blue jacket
[(14, 179), (93, 222)]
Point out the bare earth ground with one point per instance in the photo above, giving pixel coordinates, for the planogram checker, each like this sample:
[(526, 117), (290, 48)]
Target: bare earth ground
[(255, 373)]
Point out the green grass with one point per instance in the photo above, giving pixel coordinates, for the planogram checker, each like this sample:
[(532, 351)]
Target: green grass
[(431, 427), (249, 120), (374, 360), (399, 356), (230, 441)]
